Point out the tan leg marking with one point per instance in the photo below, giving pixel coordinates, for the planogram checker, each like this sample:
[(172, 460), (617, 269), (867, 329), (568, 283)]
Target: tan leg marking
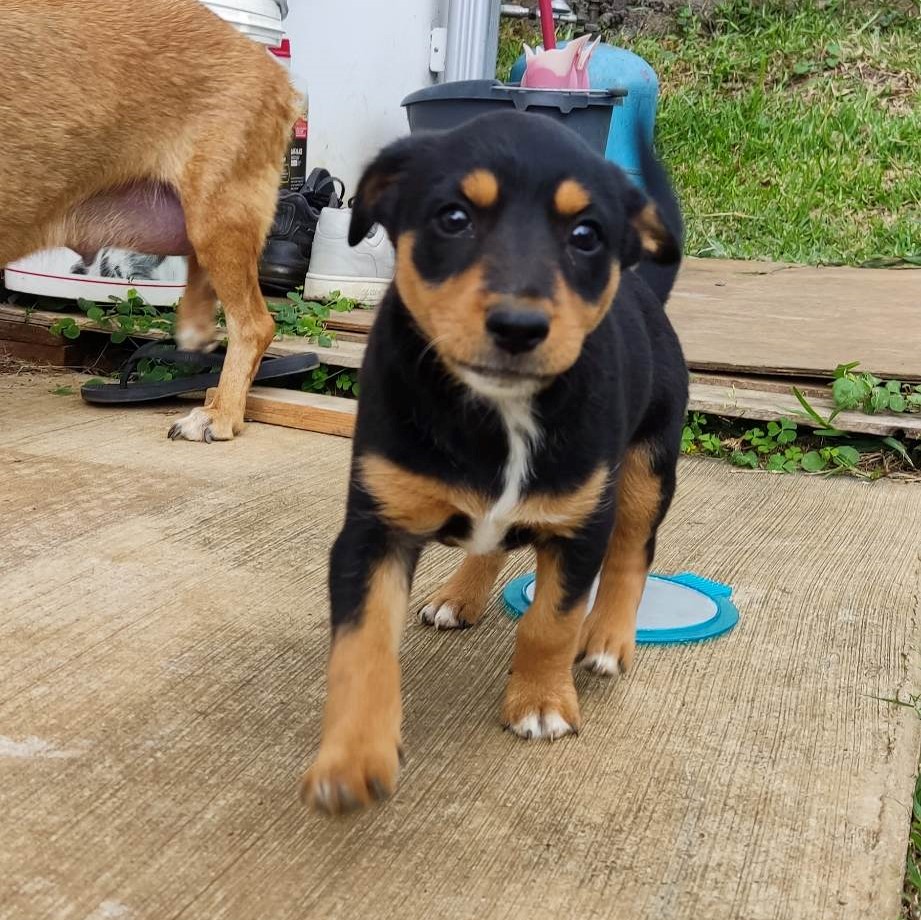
[(358, 760), (461, 600), (540, 700), (608, 640)]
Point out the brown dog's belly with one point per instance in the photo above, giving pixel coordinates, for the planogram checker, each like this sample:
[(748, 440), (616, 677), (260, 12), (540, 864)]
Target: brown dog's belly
[(144, 216)]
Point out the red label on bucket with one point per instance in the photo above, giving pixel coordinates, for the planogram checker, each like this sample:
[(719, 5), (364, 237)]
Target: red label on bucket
[(300, 128)]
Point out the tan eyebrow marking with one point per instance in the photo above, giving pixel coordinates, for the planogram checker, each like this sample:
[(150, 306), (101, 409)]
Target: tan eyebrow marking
[(571, 197), (482, 187)]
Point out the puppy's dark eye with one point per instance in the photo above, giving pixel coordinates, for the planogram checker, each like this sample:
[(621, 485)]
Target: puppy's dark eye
[(453, 220), (585, 236)]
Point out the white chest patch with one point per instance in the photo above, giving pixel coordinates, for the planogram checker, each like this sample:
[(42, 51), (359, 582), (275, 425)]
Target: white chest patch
[(523, 435)]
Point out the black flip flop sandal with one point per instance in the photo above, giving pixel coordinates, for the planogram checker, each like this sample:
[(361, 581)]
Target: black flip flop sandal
[(128, 392)]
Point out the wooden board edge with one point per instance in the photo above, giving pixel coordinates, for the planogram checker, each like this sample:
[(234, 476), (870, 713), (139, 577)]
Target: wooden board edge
[(305, 411)]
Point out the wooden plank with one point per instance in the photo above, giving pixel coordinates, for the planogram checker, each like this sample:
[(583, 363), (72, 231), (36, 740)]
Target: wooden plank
[(14, 331), (797, 320), (57, 355), (809, 386), (296, 409), (358, 321), (43, 319), (335, 415), (341, 354), (766, 406)]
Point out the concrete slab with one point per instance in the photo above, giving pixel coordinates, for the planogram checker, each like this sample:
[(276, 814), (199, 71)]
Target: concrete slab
[(162, 645)]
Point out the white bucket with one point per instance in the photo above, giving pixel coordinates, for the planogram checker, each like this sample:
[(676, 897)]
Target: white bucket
[(160, 281), (259, 20)]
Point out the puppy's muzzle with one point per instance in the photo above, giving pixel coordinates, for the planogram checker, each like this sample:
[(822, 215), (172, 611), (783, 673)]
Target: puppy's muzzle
[(517, 330)]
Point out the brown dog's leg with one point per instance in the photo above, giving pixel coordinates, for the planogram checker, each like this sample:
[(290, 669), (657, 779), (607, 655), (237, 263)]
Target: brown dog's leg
[(358, 760), (540, 700), (608, 640), (461, 601), (227, 233), (195, 327)]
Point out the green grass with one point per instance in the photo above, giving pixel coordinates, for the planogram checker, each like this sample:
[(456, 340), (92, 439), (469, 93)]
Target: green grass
[(792, 133), (911, 889), (911, 894)]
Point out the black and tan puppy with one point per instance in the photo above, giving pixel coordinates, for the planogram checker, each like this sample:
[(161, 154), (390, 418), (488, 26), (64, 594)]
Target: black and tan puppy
[(522, 385)]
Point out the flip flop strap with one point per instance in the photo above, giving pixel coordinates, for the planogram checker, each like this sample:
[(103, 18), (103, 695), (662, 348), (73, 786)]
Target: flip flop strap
[(167, 350)]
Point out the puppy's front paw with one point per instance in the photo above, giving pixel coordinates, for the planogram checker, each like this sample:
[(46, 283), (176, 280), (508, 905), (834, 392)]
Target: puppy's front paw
[(605, 647), (202, 425), (549, 709), (344, 778)]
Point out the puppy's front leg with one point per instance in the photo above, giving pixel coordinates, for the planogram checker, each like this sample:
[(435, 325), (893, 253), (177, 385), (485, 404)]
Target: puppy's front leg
[(358, 761), (540, 700)]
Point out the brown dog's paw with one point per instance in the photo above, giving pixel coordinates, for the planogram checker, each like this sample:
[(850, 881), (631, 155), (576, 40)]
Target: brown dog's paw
[(549, 710), (203, 425), (343, 779), (192, 335), (606, 648)]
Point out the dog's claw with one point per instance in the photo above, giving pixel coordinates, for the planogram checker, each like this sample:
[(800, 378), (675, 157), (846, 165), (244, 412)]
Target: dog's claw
[(378, 790), (347, 801), (207, 436)]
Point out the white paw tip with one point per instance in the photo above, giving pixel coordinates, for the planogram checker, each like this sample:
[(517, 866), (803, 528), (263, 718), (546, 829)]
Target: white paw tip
[(192, 339), (528, 727), (443, 617), (196, 426), (323, 794), (550, 726), (446, 618), (601, 663)]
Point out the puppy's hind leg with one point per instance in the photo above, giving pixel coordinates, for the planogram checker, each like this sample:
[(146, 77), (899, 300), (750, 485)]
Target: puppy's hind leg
[(461, 601), (647, 482), (227, 232)]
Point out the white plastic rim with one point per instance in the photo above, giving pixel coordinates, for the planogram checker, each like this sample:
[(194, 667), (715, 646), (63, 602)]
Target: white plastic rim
[(113, 272), (259, 20), (665, 605)]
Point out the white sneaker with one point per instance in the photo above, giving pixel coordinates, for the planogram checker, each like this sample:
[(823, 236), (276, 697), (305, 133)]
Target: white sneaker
[(362, 273)]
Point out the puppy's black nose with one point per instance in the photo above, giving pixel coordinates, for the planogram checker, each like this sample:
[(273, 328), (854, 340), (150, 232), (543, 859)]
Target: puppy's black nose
[(517, 331)]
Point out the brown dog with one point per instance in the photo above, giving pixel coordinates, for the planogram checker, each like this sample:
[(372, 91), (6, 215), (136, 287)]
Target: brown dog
[(155, 126)]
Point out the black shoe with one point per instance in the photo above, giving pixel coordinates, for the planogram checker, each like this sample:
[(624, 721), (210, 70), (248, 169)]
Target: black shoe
[(284, 259)]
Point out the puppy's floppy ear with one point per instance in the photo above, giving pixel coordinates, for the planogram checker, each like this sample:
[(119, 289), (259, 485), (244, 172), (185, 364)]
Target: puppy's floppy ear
[(378, 196), (647, 235)]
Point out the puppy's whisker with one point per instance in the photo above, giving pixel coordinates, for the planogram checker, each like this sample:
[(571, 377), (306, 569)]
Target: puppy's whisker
[(431, 345)]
